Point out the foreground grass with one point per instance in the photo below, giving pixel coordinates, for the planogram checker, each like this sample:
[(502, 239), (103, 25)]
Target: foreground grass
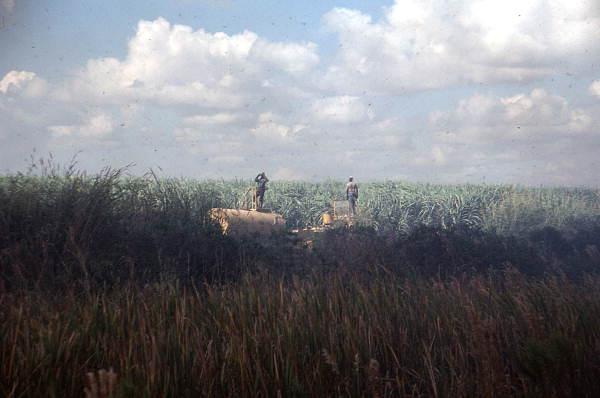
[(322, 335), (99, 271)]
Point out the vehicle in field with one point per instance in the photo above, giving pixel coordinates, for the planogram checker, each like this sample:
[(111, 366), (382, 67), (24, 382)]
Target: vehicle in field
[(250, 220)]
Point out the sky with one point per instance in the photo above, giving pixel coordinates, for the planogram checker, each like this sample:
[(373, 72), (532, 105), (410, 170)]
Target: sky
[(440, 91)]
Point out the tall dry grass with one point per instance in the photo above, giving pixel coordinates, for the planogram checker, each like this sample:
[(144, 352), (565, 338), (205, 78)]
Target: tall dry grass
[(107, 271), (324, 335)]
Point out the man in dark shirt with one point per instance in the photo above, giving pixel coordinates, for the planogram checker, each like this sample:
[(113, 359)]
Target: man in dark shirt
[(352, 195), (261, 186)]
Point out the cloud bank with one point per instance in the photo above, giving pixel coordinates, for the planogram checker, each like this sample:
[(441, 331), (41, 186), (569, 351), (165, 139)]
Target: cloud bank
[(430, 44), (205, 104)]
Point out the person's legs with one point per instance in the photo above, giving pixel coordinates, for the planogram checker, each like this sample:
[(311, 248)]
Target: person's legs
[(352, 203), (260, 194)]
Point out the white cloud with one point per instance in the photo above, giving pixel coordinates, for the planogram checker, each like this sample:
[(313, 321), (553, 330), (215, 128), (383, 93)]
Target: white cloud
[(61, 130), (15, 80), (341, 109), (96, 126), (293, 58), (271, 125), (221, 118), (423, 44), (532, 138), (174, 65), (437, 156), (595, 88), (193, 94), (214, 104), (534, 116), (227, 159)]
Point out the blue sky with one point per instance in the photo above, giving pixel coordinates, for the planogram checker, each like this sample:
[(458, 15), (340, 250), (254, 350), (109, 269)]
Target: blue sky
[(427, 90), (58, 35)]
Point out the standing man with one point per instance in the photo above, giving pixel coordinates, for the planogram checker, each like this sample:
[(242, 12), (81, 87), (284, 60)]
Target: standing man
[(261, 186), (352, 195)]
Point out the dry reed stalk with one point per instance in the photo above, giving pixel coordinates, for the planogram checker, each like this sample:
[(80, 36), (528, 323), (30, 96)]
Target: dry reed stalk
[(101, 384)]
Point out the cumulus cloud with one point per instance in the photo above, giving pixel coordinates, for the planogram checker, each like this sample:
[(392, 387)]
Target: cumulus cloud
[(536, 137), (96, 126), (292, 58), (221, 118), (341, 109), (23, 83), (434, 158), (423, 44), (212, 104), (193, 93), (175, 65), (271, 125), (538, 115), (15, 80), (595, 88)]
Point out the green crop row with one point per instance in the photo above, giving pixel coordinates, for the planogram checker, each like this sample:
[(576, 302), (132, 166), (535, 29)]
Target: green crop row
[(392, 205)]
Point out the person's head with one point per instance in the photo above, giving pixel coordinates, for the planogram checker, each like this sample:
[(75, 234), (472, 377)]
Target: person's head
[(350, 178)]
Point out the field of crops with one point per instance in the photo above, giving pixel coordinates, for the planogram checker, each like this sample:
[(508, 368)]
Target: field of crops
[(462, 291), (396, 206)]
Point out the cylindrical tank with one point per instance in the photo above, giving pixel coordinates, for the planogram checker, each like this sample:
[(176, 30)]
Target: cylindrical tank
[(238, 222)]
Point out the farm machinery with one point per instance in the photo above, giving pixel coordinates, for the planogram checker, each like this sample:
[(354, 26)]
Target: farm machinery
[(251, 220), (248, 219)]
